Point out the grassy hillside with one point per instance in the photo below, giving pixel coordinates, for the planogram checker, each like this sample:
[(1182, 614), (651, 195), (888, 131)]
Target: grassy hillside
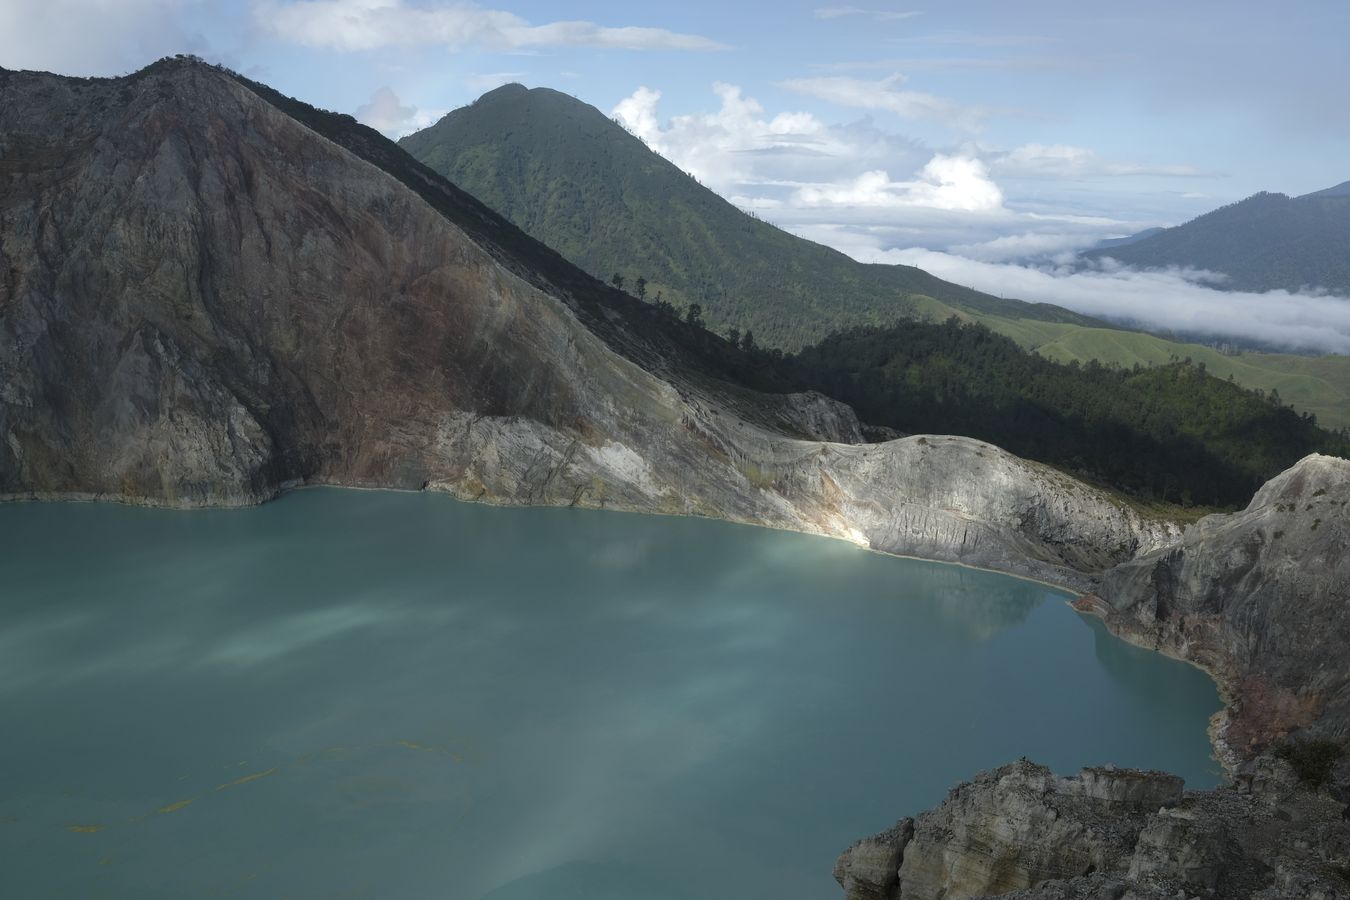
[(1265, 242), (569, 176), (1316, 384)]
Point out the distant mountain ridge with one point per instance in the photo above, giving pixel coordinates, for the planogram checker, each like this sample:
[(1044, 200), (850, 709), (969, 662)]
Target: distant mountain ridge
[(1135, 238), (568, 175), (1265, 242), (1340, 190)]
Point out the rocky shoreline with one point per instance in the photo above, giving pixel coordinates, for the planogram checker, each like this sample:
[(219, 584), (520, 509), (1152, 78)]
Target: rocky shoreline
[(1259, 599)]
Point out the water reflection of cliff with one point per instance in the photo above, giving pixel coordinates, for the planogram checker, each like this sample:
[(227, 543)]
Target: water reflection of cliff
[(977, 605), (1147, 676)]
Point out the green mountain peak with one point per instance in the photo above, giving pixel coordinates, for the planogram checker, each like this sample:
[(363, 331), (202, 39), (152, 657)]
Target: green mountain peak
[(567, 174)]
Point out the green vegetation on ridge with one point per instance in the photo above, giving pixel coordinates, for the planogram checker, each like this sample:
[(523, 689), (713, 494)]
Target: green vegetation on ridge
[(1173, 432), (569, 176), (1264, 243)]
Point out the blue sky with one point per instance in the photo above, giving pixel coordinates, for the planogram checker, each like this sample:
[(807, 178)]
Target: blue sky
[(972, 130)]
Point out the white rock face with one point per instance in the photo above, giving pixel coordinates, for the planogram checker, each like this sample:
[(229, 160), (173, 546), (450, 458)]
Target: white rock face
[(1260, 598)]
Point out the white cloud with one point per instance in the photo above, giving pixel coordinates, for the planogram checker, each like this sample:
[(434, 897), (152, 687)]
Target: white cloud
[(886, 94), (386, 113), (371, 24), (833, 183), (1026, 245), (946, 183), (739, 145), (91, 37), (637, 113), (1172, 300)]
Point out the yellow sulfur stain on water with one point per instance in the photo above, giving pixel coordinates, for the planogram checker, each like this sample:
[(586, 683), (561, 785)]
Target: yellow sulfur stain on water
[(246, 779), (174, 807), (84, 829), (412, 746)]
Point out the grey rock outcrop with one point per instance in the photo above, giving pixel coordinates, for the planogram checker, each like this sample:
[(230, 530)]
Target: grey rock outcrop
[(1260, 598), (870, 869), (1022, 832)]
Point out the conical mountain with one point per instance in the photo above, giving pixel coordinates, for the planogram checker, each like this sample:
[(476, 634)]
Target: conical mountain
[(571, 177)]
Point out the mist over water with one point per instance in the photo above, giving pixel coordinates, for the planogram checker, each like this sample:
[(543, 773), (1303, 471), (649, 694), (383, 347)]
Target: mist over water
[(367, 694)]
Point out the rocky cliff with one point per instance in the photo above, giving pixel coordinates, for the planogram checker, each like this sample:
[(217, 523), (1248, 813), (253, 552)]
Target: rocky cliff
[(211, 292), (1261, 599), (1023, 832)]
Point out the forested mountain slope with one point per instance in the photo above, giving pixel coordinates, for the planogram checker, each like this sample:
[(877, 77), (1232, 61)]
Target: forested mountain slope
[(1266, 242), (569, 176)]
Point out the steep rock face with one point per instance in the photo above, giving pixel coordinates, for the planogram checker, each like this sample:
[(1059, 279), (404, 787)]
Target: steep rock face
[(1022, 832), (210, 292), (1261, 598)]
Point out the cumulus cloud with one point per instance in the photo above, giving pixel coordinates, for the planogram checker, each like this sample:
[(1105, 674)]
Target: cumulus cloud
[(827, 182), (350, 25), (1169, 300), (739, 146), (385, 112), (887, 94), (1049, 244), (946, 182)]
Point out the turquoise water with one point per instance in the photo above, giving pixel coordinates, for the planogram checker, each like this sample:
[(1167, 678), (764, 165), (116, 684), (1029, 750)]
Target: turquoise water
[(365, 694)]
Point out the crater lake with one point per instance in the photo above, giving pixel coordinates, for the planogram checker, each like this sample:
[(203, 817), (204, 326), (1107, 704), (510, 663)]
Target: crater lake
[(375, 694)]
